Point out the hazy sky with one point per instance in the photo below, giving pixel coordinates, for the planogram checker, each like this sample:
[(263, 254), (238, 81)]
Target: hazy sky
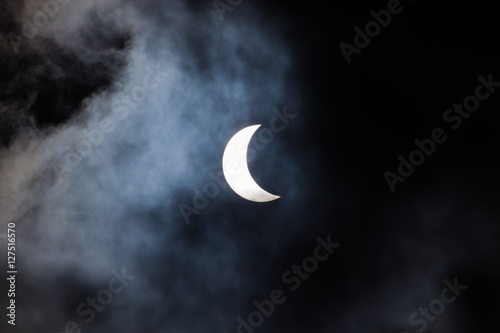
[(113, 117)]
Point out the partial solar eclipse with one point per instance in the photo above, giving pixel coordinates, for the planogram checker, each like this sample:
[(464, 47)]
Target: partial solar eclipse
[(235, 168)]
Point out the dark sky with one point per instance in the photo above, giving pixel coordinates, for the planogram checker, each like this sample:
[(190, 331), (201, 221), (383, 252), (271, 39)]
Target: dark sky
[(96, 182)]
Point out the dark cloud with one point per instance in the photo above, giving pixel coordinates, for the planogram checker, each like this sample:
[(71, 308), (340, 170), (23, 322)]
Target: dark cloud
[(43, 82)]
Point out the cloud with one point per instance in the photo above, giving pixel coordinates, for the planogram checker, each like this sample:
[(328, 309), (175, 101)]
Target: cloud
[(118, 206)]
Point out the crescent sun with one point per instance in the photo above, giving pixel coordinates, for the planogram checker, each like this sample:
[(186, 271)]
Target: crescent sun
[(235, 168)]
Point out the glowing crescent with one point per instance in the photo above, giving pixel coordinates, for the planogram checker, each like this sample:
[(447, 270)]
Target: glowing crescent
[(235, 168)]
